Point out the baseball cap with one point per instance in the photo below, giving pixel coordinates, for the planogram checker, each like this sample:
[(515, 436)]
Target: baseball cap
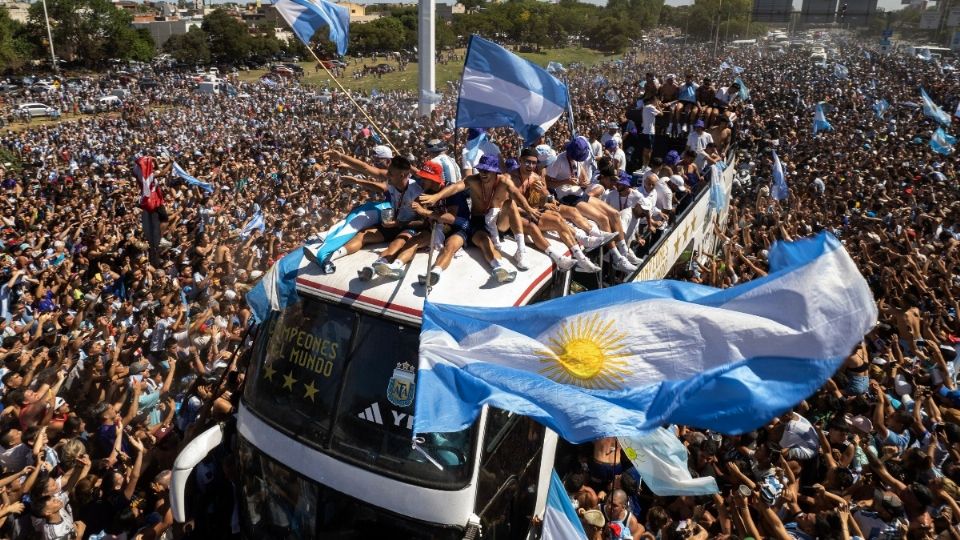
[(382, 152), (436, 145), (678, 182), (672, 158), (610, 144), (578, 149), (59, 402), (432, 171), (698, 124), (49, 329), (625, 179), (612, 125), (546, 154), (489, 163)]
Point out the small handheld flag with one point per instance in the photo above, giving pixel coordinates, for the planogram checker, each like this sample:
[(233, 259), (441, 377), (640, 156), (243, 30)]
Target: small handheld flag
[(942, 142), (779, 191), (933, 111), (820, 122)]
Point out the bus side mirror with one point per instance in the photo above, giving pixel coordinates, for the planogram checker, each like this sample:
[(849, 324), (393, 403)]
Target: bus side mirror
[(192, 454)]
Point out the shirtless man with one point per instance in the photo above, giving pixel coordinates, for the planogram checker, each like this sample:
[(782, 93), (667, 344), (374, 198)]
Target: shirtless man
[(669, 93), (534, 190), (489, 192)]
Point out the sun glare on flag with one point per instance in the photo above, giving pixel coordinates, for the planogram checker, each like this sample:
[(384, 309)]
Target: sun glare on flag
[(586, 352)]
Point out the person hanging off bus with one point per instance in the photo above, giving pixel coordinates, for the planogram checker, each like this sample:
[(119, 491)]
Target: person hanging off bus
[(396, 222), (489, 195), (151, 202)]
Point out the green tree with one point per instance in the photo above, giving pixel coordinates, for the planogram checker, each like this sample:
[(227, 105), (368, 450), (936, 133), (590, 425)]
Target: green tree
[(91, 31), (228, 38), (190, 48), (15, 48)]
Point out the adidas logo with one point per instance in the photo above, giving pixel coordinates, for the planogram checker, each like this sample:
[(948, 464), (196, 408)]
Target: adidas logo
[(372, 414)]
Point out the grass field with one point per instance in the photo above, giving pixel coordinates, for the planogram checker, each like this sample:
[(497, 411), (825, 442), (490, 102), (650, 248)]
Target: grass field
[(407, 79)]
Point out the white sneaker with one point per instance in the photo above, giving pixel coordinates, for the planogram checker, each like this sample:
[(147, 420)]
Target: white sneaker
[(632, 257), (365, 273), (594, 241), (504, 274), (564, 263), (519, 262), (587, 266), (623, 265)]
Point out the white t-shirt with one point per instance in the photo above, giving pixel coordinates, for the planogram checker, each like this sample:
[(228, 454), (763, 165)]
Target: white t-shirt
[(402, 201), (615, 136), (621, 159), (724, 95), (664, 194), (698, 142), (650, 114), (565, 169)]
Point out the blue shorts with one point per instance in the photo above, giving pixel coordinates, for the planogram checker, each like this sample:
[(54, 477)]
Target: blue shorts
[(391, 233), (573, 200)]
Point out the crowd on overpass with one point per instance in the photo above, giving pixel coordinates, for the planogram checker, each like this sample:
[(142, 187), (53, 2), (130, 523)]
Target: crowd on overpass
[(118, 346)]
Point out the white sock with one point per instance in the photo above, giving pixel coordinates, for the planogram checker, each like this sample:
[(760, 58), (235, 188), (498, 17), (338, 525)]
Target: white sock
[(594, 230), (495, 264), (577, 253), (553, 253), (622, 247), (579, 235), (437, 270), (342, 252), (521, 243)]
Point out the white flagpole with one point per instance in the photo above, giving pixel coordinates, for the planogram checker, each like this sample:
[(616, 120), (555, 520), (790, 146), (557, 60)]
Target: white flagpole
[(53, 57)]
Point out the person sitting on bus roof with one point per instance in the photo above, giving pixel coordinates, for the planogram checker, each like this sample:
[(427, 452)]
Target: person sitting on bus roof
[(567, 176), (535, 193), (669, 95), (706, 95), (401, 250), (489, 191), (401, 191), (687, 96), (620, 195)]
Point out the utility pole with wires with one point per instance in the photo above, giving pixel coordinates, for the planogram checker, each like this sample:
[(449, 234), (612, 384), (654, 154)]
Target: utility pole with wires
[(716, 39)]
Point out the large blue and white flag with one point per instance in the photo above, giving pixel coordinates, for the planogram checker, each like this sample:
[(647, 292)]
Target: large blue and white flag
[(306, 17), (932, 110), (186, 177), (661, 460), (942, 142), (779, 190), (362, 217), (501, 89), (624, 360), (277, 288), (560, 520), (820, 122)]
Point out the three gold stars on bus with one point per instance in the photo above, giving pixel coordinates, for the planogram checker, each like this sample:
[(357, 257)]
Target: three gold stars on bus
[(310, 391)]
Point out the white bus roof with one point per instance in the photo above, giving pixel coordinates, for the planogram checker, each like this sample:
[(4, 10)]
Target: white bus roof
[(467, 281)]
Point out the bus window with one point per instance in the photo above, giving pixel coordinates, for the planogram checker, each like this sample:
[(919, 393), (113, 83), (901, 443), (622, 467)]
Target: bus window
[(276, 503), (509, 466), (374, 423), (295, 382)]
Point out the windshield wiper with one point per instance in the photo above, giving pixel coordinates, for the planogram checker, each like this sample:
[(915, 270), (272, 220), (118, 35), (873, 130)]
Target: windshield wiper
[(417, 441)]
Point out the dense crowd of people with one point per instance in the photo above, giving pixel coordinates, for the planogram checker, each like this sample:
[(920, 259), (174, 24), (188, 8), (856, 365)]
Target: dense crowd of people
[(122, 283)]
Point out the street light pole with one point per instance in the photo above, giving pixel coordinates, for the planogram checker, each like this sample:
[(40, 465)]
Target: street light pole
[(716, 40), (53, 57)]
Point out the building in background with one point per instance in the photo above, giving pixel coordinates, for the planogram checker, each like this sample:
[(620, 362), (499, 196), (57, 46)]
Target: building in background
[(772, 11), (162, 30), (818, 11), (857, 12), (19, 11)]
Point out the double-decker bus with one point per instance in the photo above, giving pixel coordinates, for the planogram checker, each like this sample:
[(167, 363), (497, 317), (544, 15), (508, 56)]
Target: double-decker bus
[(323, 428)]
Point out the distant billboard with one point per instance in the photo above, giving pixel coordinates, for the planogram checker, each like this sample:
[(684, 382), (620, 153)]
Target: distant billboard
[(930, 19), (772, 11), (818, 11), (953, 18)]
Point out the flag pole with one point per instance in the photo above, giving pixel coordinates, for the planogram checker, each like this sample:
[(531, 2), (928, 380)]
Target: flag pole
[(355, 104), (430, 261)]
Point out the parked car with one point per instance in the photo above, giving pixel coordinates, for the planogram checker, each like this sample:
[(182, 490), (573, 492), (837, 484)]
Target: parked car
[(283, 71), (108, 102), (147, 83), (36, 109)]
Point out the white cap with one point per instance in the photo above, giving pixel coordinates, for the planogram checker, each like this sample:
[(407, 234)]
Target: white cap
[(382, 152), (678, 182), (546, 155)]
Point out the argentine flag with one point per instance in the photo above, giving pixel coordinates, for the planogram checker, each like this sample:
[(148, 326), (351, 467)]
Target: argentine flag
[(306, 17), (362, 217), (661, 461), (880, 106), (840, 71), (256, 223), (186, 177), (624, 360), (820, 122), (277, 288), (499, 88), (932, 110), (560, 520), (779, 191), (942, 142)]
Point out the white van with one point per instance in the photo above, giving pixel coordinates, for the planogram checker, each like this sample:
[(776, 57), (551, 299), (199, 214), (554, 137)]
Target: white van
[(208, 87)]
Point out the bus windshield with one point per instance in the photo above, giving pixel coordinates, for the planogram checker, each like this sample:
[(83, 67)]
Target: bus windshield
[(344, 382)]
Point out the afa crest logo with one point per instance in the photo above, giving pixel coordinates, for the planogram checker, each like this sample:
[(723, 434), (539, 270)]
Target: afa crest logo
[(400, 389)]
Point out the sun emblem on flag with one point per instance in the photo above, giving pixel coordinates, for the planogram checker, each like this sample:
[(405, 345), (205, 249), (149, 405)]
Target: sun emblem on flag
[(587, 352)]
